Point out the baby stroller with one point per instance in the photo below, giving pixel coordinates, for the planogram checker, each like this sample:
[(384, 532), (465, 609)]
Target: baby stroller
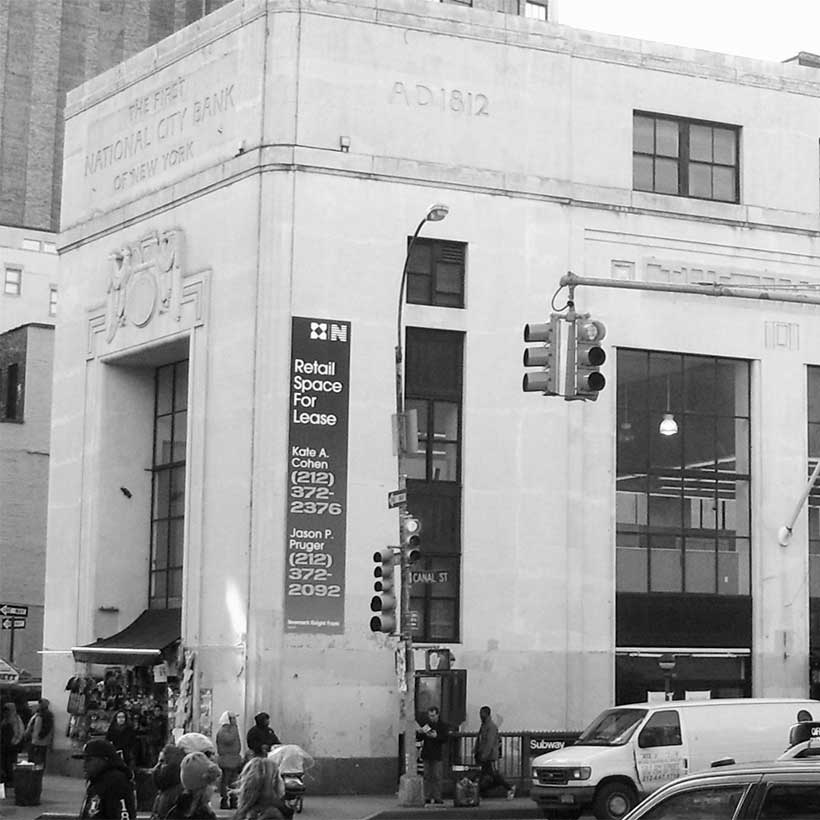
[(292, 761)]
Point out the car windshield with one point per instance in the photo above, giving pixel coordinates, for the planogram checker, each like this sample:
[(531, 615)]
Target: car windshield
[(611, 728)]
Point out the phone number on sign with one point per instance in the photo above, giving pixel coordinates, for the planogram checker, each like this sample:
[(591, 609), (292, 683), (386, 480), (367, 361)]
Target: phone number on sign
[(315, 590), (316, 507)]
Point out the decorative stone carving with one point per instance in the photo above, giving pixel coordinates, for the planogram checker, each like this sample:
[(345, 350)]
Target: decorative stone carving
[(781, 335), (147, 286), (144, 279)]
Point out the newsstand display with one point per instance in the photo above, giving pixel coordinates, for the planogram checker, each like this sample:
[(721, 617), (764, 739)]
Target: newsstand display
[(147, 696)]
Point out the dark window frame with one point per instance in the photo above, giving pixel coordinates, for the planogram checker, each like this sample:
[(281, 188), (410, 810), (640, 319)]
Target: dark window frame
[(528, 5), (167, 499), (437, 502), (425, 272), (13, 393), (684, 160), (13, 280), (670, 490)]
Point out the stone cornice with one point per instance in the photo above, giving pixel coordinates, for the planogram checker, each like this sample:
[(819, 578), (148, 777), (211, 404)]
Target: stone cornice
[(459, 22), (289, 159)]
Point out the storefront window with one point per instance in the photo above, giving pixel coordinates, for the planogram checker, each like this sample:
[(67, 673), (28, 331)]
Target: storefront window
[(683, 514)]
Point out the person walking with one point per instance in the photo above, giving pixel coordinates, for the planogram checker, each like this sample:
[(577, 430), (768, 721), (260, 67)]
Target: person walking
[(40, 730), (165, 776), (229, 752), (109, 793), (199, 776), (261, 737), (434, 736), (261, 792), (12, 731), (122, 736), (486, 755)]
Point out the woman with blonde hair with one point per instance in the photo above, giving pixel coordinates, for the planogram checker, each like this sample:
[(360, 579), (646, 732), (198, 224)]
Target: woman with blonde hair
[(260, 792)]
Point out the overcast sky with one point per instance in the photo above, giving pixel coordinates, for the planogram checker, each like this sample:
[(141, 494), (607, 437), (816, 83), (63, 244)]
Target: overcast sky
[(772, 30)]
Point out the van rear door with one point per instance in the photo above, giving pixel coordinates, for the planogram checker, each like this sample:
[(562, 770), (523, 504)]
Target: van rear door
[(660, 750)]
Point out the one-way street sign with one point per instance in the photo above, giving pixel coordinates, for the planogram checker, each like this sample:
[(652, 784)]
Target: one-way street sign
[(13, 609), (13, 623)]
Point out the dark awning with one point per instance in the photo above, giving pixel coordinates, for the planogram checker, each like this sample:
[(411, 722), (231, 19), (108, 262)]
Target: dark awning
[(141, 643)]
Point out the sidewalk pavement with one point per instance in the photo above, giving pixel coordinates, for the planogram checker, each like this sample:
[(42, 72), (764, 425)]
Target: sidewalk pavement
[(62, 798)]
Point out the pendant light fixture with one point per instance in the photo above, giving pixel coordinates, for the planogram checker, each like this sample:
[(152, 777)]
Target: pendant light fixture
[(625, 432), (668, 425)]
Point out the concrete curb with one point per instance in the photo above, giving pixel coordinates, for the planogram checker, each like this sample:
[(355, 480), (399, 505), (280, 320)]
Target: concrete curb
[(491, 810)]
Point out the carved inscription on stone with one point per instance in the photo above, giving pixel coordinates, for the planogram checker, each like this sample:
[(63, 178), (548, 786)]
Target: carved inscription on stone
[(158, 131), (450, 100)]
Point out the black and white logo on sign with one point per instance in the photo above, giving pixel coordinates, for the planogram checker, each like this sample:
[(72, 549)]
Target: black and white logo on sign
[(318, 330)]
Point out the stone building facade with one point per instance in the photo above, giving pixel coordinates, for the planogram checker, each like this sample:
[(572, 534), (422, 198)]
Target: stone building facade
[(237, 206)]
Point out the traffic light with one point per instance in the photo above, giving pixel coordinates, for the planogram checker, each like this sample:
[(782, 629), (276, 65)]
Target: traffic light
[(411, 538), (384, 603), (589, 356), (545, 357)]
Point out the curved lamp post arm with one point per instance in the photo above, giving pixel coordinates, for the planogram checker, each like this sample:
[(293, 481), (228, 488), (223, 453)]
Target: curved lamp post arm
[(400, 311)]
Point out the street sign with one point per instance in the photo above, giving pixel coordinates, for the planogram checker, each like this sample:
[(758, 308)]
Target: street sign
[(396, 498), (13, 623), (13, 609)]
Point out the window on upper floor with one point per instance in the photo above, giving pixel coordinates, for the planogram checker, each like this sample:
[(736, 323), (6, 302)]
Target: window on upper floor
[(435, 273), (52, 300), (536, 9), (13, 405), (13, 285), (685, 157)]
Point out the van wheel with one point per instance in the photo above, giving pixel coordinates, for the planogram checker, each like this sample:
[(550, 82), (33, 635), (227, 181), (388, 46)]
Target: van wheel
[(614, 800)]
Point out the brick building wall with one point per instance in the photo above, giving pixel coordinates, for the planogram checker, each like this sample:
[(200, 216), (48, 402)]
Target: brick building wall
[(24, 450), (46, 49)]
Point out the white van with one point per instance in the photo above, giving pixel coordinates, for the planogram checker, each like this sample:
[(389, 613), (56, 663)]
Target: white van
[(629, 751)]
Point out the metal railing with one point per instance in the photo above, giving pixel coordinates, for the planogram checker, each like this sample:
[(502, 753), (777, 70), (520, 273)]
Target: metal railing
[(517, 751)]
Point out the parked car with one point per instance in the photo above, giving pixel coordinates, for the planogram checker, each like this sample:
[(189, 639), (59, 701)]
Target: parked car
[(776, 790), (630, 751)]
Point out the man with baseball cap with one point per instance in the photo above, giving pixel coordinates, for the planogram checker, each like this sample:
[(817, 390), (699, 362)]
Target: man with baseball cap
[(109, 793)]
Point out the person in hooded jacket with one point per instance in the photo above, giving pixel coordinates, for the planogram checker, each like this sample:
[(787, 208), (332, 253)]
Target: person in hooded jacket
[(41, 731), (109, 793), (165, 776), (199, 776), (229, 751), (261, 737)]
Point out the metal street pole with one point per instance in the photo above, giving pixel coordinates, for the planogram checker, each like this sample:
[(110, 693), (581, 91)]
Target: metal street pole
[(411, 790)]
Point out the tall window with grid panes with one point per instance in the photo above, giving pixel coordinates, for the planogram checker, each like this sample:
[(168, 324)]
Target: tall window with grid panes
[(683, 517), (813, 417), (168, 485), (433, 388)]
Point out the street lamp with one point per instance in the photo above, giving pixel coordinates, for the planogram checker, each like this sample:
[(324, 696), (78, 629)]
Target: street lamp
[(411, 791)]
